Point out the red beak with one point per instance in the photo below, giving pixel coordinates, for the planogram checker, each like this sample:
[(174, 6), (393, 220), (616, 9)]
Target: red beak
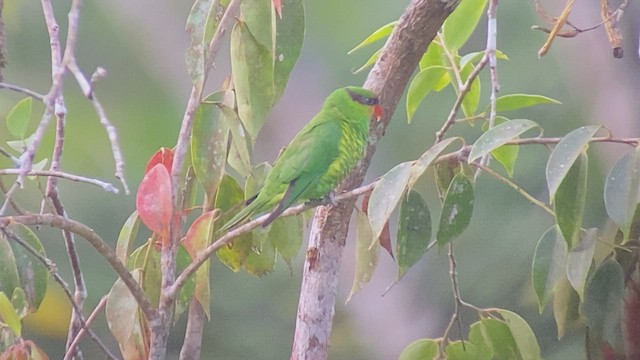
[(377, 112)]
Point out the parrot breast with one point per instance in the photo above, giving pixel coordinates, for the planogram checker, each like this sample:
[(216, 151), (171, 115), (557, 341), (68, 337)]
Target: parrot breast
[(351, 148)]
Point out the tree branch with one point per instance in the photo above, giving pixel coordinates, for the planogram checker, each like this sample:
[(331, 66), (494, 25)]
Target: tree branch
[(388, 78)]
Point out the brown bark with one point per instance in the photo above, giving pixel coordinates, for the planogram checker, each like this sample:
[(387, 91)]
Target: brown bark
[(389, 77)]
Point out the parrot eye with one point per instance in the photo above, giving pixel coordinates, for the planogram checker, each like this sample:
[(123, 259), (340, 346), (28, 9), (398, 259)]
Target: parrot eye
[(370, 101)]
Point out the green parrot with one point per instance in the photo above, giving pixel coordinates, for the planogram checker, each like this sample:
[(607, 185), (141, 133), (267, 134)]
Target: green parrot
[(318, 157)]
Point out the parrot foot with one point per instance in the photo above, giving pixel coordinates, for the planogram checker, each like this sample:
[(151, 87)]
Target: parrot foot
[(332, 198)]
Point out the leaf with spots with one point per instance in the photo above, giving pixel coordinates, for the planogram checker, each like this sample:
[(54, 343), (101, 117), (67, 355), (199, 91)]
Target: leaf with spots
[(457, 209), (569, 201), (621, 190), (414, 231)]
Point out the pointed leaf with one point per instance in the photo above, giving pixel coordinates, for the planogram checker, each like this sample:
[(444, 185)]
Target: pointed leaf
[(9, 316), (381, 33), (423, 349), (386, 195), (414, 231), (148, 261), (483, 350), (461, 23), (186, 294), (127, 236), (366, 255), (209, 138), (289, 38), (256, 15), (569, 201), (621, 193), (498, 136), (277, 4), (579, 260), (252, 70), (240, 151), (433, 56), (33, 274), (565, 154), (498, 334), (154, 201), (505, 154), (526, 342), (519, 101), (372, 60), (549, 263), (19, 117), (421, 85), (457, 209)]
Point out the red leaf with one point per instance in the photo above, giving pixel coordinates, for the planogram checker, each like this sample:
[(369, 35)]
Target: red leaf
[(163, 156), (631, 320), (385, 236), (154, 201), (278, 5), (199, 234)]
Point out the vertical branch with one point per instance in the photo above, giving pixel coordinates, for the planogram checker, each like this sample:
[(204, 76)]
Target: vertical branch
[(390, 75)]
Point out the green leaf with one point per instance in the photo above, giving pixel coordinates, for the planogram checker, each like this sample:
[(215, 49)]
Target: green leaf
[(372, 60), (286, 236), (256, 14), (425, 160), (520, 101), (565, 154), (377, 35), (621, 190), (505, 154), (239, 156), (366, 255), (580, 258), (201, 17), (19, 117), (526, 342), (414, 231), (33, 274), (230, 195), (565, 306), (461, 23), (498, 136), (421, 85), (385, 197), (472, 98), (262, 259), (183, 259), (252, 70), (19, 302), (498, 334), (433, 56), (127, 236), (9, 316), (483, 350), (148, 261), (457, 350), (121, 310), (549, 263), (209, 139), (457, 209), (255, 181), (9, 279), (603, 301), (423, 349), (289, 36), (569, 201)]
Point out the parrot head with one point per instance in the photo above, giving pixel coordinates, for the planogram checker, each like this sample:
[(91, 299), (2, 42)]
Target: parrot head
[(366, 97)]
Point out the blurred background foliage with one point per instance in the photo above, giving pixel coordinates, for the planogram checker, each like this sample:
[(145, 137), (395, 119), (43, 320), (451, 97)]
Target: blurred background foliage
[(142, 43)]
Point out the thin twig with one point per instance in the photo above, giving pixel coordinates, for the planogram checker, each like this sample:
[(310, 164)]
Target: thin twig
[(87, 328), (20, 89), (515, 187), (61, 174)]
